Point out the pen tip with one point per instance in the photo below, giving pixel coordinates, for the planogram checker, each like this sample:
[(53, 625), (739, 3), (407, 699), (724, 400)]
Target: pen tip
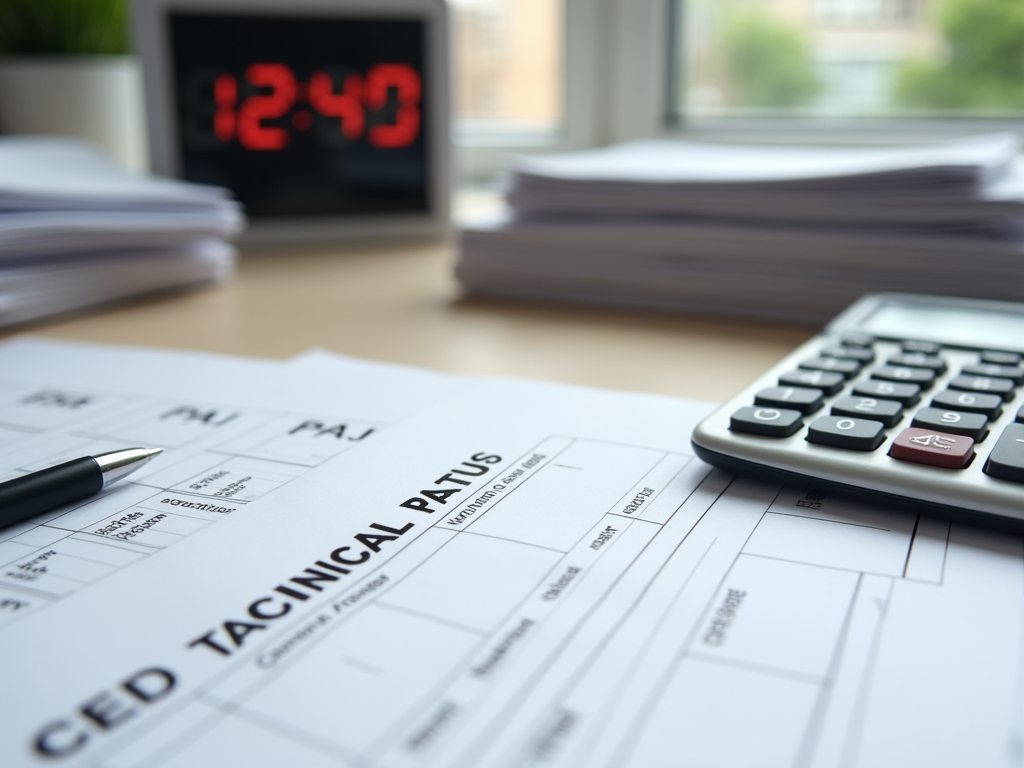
[(154, 451)]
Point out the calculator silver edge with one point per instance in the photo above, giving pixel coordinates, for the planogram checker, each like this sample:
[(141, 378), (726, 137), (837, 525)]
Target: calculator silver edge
[(945, 491)]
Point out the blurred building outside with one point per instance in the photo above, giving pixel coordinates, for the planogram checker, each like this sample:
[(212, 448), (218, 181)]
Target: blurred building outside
[(507, 61)]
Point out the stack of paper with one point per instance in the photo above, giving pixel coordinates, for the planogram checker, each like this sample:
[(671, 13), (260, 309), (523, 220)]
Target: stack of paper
[(791, 234), (76, 231)]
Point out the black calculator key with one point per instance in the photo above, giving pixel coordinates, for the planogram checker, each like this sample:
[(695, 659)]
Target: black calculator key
[(972, 425), (846, 432), (889, 412), (1001, 387), (770, 422), (827, 381), (861, 354), (927, 347), (834, 364), (971, 402), (1007, 458), (920, 376), (1002, 358), (803, 399), (856, 339), (919, 360), (1013, 372), (1020, 415), (908, 394)]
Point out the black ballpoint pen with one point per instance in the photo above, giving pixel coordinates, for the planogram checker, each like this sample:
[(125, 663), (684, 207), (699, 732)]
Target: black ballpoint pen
[(38, 492)]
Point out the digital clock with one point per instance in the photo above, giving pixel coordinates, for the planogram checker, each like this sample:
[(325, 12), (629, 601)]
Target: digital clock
[(325, 118)]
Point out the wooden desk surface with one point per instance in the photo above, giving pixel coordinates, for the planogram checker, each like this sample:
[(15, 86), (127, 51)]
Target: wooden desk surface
[(400, 303)]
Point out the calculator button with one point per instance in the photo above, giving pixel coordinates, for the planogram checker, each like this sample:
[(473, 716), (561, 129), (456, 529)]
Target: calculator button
[(828, 382), (1020, 415), (1001, 387), (973, 425), (921, 376), (971, 402), (927, 347), (889, 412), (1007, 458), (927, 446), (861, 354), (855, 339), (1013, 372), (845, 432), (908, 394), (803, 399), (1002, 358), (919, 360), (845, 367), (771, 422)]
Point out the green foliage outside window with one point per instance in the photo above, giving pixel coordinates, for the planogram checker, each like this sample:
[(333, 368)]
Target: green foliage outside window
[(63, 27), (767, 62), (982, 68)]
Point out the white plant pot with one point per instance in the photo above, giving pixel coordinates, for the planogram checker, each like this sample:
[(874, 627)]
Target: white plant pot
[(96, 98)]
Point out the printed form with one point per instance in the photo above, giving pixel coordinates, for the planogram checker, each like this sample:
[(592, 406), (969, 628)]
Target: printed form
[(233, 430), (529, 574)]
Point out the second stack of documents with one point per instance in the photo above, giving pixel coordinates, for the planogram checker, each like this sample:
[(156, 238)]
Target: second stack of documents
[(783, 233)]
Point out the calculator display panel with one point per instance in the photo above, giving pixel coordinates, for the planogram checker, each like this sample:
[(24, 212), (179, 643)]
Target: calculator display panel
[(953, 325)]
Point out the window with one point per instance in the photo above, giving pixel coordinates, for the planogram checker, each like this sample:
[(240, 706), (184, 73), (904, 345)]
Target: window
[(807, 59), (508, 66), (775, 70), (525, 78)]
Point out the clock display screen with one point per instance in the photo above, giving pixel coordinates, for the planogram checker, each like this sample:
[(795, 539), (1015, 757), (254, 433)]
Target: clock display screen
[(304, 116)]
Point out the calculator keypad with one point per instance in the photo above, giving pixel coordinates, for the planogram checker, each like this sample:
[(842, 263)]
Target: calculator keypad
[(865, 401)]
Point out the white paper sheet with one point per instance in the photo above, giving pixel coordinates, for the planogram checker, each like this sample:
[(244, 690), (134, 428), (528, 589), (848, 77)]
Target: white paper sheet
[(41, 172), (682, 161), (528, 574), (233, 430)]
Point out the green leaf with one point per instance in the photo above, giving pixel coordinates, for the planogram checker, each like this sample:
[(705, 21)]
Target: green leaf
[(63, 27)]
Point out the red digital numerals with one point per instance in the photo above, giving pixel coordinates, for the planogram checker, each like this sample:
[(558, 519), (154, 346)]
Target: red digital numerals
[(394, 86)]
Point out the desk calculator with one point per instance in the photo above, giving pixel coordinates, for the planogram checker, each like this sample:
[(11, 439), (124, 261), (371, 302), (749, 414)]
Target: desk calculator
[(904, 399)]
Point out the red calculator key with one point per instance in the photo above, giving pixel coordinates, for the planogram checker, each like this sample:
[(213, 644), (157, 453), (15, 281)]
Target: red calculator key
[(928, 446)]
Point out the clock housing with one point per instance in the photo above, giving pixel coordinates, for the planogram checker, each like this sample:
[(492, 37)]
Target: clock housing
[(326, 118)]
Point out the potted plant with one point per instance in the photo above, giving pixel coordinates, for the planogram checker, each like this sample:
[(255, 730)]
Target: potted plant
[(65, 69)]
